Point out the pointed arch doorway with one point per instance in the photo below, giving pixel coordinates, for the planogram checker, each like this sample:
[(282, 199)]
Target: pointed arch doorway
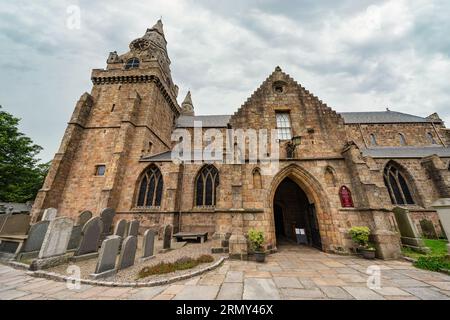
[(292, 210)]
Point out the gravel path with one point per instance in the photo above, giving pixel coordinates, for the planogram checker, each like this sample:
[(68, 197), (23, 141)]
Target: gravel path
[(180, 249)]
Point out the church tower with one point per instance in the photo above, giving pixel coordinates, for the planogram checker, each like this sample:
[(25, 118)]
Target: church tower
[(129, 113), (187, 108)]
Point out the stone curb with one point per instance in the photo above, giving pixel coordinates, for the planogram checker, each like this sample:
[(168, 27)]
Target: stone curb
[(58, 277)]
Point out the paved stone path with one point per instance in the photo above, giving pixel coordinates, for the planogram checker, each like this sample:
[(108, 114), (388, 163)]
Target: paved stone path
[(292, 273)]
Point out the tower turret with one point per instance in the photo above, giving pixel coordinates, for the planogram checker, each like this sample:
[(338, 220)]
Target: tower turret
[(187, 108)]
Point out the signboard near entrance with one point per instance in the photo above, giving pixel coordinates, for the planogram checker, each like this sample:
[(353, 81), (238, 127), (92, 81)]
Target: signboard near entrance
[(301, 236)]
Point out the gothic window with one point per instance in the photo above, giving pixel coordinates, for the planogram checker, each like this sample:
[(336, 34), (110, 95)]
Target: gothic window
[(283, 125), (257, 181), (150, 188), (132, 63), (431, 138), (206, 185), (402, 139), (397, 186), (373, 140)]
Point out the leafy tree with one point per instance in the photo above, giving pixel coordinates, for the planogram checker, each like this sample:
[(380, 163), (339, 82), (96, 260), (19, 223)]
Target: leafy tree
[(21, 176)]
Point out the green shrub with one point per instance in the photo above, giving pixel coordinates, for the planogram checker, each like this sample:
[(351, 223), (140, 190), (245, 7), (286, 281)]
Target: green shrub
[(433, 263), (360, 235), (183, 263), (256, 239)]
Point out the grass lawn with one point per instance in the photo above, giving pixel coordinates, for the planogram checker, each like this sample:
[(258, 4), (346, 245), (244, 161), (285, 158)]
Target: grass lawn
[(435, 260)]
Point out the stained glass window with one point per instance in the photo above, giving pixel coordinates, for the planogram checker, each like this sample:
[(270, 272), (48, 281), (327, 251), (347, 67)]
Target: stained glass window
[(397, 185), (206, 186), (150, 188)]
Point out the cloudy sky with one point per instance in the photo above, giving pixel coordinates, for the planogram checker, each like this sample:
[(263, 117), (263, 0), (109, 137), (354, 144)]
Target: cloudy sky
[(355, 55)]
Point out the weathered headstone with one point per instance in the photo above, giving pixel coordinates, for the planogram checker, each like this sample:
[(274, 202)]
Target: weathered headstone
[(167, 236), (49, 214), (120, 228), (408, 232), (428, 230), (107, 257), (90, 236), (442, 207), (56, 238), (75, 237), (148, 244), (133, 228), (107, 216), (17, 224), (36, 236), (127, 252), (84, 217)]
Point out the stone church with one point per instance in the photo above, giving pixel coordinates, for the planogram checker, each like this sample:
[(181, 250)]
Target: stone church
[(335, 170)]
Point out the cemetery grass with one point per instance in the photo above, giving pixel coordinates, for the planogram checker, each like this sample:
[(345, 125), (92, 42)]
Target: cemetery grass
[(168, 267), (436, 260)]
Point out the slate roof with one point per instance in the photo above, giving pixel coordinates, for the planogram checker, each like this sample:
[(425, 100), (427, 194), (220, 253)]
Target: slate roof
[(381, 117), (406, 152), (221, 121)]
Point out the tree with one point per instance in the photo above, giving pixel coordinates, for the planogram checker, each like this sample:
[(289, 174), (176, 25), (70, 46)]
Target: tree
[(21, 175)]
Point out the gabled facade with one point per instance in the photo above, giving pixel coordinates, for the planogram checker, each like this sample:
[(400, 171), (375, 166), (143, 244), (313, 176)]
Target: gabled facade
[(349, 169)]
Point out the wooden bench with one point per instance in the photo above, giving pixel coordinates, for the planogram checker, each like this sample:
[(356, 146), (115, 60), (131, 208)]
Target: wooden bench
[(199, 236)]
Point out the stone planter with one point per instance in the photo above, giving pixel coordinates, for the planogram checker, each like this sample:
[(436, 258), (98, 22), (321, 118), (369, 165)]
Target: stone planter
[(368, 253), (260, 256)]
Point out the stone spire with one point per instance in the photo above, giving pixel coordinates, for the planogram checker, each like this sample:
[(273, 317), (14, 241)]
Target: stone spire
[(158, 27), (187, 108)]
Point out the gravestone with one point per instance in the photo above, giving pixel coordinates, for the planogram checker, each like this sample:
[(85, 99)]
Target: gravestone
[(49, 214), (442, 207), (107, 216), (408, 232), (120, 228), (133, 228), (90, 236), (148, 244), (84, 217), (107, 257), (56, 238), (17, 224), (428, 230), (36, 236), (75, 237), (127, 252), (167, 236)]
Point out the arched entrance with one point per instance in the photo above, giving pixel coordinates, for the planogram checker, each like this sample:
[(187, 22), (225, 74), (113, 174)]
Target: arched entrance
[(293, 211)]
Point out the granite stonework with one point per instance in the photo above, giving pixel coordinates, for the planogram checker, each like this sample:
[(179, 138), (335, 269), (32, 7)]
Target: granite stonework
[(355, 150), (167, 236), (16, 224), (49, 214), (56, 238), (106, 264), (133, 228), (90, 237), (107, 216), (408, 231), (148, 244), (442, 207), (36, 236), (127, 253), (120, 228), (75, 237), (84, 217)]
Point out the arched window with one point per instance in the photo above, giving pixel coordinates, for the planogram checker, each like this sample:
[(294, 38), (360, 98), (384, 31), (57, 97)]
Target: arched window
[(206, 185), (373, 140), (402, 139), (150, 188), (257, 181), (397, 186), (431, 138), (132, 63)]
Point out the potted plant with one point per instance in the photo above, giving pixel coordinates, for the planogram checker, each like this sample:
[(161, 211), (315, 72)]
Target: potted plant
[(256, 239), (360, 235)]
